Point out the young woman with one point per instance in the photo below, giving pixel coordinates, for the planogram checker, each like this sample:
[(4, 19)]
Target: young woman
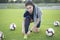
[(32, 14)]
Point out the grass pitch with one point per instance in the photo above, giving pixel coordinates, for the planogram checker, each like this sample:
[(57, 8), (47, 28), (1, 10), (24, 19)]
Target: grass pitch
[(8, 16)]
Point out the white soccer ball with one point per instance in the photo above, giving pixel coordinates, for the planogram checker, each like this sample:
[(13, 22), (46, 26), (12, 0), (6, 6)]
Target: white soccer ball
[(56, 23), (12, 26), (1, 35), (50, 32)]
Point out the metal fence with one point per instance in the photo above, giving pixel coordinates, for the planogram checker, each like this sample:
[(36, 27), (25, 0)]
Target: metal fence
[(21, 5)]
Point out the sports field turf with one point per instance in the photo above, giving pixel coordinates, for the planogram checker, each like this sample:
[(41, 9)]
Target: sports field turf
[(8, 16)]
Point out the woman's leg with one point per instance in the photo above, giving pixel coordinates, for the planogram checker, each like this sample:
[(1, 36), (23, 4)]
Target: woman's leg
[(25, 25), (37, 28), (38, 25)]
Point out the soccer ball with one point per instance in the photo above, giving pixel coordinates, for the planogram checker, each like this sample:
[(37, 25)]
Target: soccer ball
[(56, 23), (49, 32), (1, 35), (12, 26)]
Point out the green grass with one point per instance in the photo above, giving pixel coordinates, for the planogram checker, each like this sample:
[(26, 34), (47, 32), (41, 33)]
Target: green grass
[(8, 16)]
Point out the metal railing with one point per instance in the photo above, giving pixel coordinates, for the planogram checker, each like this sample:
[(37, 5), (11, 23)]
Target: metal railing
[(21, 5)]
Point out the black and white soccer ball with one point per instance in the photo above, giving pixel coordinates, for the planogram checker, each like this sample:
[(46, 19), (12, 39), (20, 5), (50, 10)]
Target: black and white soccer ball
[(12, 26), (56, 23), (50, 32), (1, 35)]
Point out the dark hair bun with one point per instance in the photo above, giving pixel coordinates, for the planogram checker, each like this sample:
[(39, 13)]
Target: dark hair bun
[(29, 3)]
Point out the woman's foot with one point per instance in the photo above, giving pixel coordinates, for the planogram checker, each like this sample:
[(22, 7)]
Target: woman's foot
[(25, 36)]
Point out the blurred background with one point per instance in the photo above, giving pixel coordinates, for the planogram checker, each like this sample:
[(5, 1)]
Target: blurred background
[(20, 3), (36, 1)]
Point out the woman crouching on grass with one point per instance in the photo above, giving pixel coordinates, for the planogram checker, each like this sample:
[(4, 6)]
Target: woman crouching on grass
[(32, 14)]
